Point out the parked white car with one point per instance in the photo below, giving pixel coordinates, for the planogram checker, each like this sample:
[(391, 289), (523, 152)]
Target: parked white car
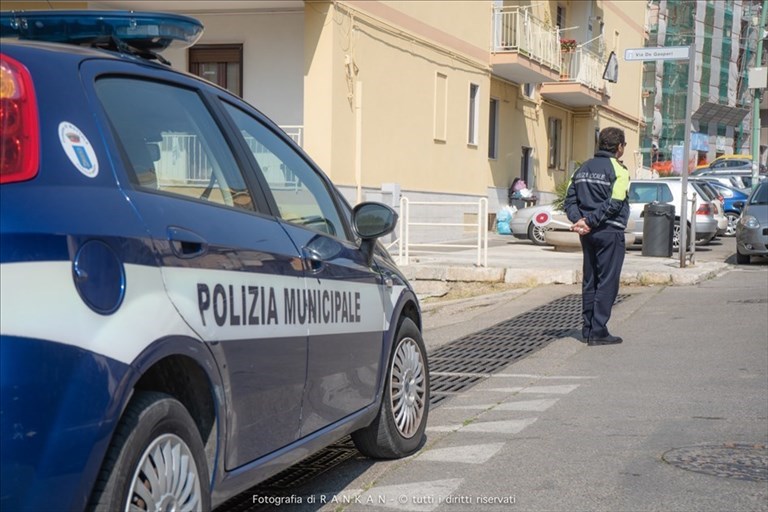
[(642, 192), (523, 227)]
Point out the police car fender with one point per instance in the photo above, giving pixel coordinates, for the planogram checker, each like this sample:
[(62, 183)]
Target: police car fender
[(400, 295), (145, 315)]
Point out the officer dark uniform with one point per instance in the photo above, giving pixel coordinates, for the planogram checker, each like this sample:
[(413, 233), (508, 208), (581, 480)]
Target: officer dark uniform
[(597, 204)]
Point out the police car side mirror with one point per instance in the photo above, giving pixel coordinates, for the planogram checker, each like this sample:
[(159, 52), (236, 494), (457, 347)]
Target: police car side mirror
[(371, 221)]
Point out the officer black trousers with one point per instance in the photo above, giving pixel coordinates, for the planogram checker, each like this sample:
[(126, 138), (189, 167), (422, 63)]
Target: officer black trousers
[(603, 258)]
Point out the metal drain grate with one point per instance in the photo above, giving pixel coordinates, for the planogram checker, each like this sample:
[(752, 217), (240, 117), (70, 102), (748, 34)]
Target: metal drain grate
[(493, 348), (454, 367), (280, 485)]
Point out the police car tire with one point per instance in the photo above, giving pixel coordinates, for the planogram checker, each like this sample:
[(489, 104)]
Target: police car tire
[(148, 416), (382, 439)]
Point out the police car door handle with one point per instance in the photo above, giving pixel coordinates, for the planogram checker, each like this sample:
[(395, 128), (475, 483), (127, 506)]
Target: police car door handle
[(313, 262), (186, 244)]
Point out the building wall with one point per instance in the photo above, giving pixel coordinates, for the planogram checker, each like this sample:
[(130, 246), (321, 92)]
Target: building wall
[(622, 28), (33, 6), (515, 113), (397, 59), (273, 56)]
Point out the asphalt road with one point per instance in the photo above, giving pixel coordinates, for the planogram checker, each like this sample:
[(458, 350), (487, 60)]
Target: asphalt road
[(640, 426)]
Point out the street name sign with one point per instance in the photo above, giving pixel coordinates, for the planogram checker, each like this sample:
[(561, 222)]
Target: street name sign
[(657, 53)]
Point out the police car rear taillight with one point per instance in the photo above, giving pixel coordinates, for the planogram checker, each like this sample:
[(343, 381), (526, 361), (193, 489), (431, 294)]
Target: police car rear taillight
[(19, 129)]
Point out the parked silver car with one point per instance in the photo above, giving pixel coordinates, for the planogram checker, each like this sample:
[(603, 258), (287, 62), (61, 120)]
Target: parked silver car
[(752, 228)]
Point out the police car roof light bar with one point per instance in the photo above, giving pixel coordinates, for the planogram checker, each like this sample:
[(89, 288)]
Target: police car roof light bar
[(144, 31)]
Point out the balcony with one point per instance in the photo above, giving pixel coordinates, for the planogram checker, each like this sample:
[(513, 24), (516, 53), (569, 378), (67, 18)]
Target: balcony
[(524, 48), (581, 81)]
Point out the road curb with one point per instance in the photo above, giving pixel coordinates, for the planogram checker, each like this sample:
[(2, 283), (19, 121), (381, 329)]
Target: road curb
[(435, 281)]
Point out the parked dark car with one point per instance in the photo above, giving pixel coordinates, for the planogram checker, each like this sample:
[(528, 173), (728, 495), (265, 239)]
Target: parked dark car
[(752, 228)]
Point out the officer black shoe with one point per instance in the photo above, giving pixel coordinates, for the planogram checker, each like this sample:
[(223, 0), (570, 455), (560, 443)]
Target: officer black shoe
[(605, 340)]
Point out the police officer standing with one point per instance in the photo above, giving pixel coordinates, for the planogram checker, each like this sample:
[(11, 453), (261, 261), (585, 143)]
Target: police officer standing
[(597, 205)]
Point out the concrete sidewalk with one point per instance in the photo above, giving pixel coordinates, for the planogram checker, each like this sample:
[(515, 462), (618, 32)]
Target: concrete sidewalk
[(519, 263)]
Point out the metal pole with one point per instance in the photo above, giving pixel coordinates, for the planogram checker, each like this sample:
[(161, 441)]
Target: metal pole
[(479, 232), (686, 157), (359, 140), (485, 233), (756, 100)]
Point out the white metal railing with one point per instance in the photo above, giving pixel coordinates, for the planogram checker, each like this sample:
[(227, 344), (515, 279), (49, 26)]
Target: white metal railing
[(584, 67), (516, 30), (294, 131), (406, 246), (184, 159)]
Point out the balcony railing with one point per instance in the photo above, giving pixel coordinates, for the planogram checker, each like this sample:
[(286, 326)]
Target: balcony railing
[(584, 67), (516, 30)]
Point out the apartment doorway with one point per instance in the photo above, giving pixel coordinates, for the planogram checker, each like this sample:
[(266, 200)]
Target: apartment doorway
[(526, 172)]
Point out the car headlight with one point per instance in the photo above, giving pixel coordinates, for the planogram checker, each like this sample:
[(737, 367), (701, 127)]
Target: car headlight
[(749, 222)]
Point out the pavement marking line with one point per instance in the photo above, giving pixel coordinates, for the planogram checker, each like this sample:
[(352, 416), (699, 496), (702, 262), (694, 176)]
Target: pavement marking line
[(469, 454), (533, 376), (445, 428), (499, 427), (528, 405), (522, 405), (563, 389), (480, 407), (415, 497), (516, 389), (458, 374)]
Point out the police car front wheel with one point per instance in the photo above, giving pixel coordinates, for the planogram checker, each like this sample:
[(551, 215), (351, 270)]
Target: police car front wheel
[(398, 429), (156, 460)]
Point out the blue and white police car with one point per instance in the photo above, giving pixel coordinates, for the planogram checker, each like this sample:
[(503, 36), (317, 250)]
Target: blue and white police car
[(187, 305)]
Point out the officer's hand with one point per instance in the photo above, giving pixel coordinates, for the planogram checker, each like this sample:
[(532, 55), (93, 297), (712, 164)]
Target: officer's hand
[(581, 227)]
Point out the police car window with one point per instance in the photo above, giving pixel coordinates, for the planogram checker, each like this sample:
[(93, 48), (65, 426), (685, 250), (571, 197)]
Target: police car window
[(300, 193), (171, 142)]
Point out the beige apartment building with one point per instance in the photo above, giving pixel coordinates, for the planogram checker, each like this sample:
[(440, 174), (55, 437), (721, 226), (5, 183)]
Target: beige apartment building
[(432, 100)]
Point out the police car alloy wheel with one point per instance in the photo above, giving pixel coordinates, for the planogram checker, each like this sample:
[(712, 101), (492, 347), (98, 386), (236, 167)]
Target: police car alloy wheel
[(156, 462), (398, 429), (407, 387)]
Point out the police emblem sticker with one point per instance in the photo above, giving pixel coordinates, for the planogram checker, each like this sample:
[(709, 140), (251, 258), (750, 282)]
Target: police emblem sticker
[(79, 150)]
